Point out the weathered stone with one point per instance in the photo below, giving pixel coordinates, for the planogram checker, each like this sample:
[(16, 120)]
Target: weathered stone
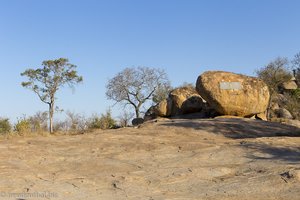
[(181, 101), (233, 94), (185, 100), (289, 85), (150, 114), (291, 122), (261, 116), (163, 109), (274, 106), (283, 113), (137, 121)]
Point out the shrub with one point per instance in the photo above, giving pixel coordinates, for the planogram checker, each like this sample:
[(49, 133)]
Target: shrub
[(22, 126), (293, 105), (38, 121), (125, 118), (60, 126), (76, 122), (5, 126), (296, 93), (105, 121)]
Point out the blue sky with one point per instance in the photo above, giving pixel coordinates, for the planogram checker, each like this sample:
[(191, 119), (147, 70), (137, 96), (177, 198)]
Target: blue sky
[(183, 37)]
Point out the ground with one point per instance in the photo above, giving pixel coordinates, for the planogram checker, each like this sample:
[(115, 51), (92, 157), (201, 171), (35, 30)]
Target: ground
[(178, 159)]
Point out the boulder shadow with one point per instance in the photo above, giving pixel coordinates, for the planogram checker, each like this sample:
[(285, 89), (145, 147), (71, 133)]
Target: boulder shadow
[(289, 154), (237, 128)]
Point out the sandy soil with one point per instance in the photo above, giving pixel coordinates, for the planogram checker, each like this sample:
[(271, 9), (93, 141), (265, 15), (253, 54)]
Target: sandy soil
[(178, 159)]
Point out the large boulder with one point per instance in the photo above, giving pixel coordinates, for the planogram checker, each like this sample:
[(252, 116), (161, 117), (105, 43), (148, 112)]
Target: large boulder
[(163, 108), (183, 100), (233, 94)]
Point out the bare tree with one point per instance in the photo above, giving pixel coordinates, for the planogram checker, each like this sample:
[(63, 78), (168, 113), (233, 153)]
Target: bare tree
[(187, 85), (296, 67), (39, 121), (162, 92), (296, 61), (274, 74), (47, 80), (135, 86), (125, 118), (76, 122)]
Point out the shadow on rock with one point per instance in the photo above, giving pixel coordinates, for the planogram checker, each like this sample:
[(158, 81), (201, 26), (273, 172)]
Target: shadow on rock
[(268, 152), (237, 128)]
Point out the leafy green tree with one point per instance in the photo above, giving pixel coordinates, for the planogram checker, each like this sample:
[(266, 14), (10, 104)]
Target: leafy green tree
[(46, 81)]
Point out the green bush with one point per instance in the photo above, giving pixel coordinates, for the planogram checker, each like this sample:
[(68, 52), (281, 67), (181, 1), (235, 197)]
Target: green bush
[(296, 93), (105, 121), (22, 126), (5, 126)]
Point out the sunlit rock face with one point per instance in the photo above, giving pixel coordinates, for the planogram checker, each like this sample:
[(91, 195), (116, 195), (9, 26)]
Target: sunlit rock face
[(233, 94)]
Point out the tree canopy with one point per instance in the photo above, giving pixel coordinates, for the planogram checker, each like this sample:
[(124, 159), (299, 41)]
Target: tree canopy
[(296, 67), (135, 86), (46, 81), (275, 73)]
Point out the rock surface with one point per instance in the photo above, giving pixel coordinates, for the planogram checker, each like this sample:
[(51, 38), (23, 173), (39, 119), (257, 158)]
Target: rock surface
[(164, 108), (184, 100), (290, 122), (233, 94), (137, 121), (230, 159), (283, 113), (289, 85), (262, 116)]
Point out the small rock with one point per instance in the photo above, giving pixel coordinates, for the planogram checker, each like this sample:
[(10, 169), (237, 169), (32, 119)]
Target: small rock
[(289, 85), (283, 113), (137, 121), (286, 175)]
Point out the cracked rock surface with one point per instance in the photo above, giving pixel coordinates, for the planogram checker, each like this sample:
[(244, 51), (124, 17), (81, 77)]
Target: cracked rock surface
[(162, 159)]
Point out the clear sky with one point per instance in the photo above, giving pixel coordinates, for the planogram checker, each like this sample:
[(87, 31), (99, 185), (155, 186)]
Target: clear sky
[(184, 37)]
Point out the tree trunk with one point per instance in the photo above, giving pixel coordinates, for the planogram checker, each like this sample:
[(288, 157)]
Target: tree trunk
[(269, 107), (137, 112), (51, 111)]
